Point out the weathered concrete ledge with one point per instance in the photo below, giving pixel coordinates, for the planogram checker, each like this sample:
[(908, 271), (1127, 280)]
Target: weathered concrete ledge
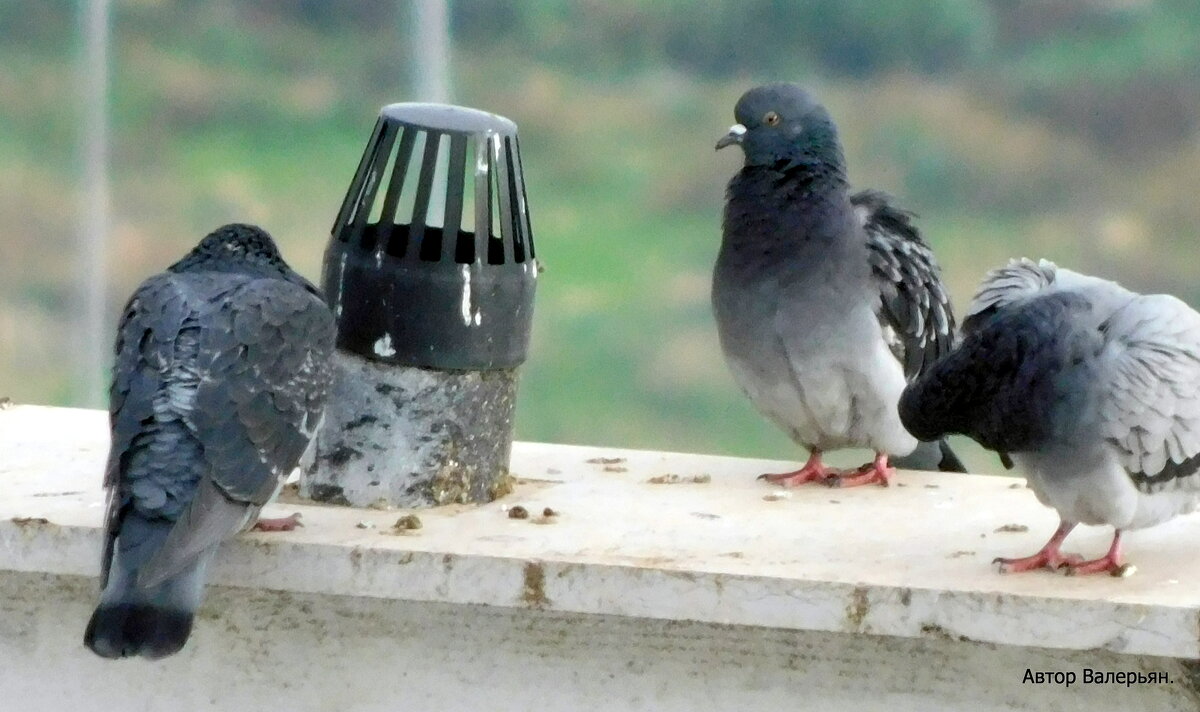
[(629, 542)]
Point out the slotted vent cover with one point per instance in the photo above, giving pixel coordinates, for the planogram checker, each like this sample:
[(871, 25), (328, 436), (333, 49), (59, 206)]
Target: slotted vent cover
[(431, 260)]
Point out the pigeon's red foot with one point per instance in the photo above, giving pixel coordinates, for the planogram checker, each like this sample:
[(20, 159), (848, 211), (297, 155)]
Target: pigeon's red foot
[(813, 471), (1044, 559), (1109, 564), (1103, 565), (278, 524), (1049, 557), (878, 471)]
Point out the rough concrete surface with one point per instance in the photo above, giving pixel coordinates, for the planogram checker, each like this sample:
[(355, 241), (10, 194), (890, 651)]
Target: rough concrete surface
[(411, 437)]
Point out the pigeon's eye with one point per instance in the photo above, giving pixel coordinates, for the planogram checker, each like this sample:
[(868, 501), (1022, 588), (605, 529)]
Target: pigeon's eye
[(771, 119)]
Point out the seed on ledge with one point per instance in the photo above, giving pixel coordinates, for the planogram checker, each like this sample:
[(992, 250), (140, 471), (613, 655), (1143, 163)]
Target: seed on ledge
[(407, 523)]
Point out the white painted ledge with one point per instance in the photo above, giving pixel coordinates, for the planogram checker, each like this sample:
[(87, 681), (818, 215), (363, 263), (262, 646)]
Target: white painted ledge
[(909, 563)]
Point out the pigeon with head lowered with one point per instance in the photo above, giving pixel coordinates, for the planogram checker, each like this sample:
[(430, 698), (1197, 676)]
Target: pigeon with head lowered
[(1093, 390), (826, 302), (222, 370)]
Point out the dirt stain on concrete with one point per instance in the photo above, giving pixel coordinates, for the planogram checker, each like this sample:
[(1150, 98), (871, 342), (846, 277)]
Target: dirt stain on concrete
[(533, 588)]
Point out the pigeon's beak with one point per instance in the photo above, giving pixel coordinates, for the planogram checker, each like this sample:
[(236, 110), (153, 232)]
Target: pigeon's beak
[(736, 132)]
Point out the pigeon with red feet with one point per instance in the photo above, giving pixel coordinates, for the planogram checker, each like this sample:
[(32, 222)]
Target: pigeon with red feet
[(221, 375), (1093, 390), (827, 302)]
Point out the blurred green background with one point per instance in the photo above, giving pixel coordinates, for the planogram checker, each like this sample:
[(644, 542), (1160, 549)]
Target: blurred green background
[(1050, 128)]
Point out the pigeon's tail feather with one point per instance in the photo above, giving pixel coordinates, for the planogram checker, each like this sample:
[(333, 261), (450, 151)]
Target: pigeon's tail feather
[(949, 461), (154, 621), (935, 456), (125, 630)]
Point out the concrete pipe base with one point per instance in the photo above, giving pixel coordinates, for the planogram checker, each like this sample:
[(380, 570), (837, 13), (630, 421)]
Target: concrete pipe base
[(412, 437)]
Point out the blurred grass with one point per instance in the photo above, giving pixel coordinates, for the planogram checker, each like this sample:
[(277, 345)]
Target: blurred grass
[(223, 112)]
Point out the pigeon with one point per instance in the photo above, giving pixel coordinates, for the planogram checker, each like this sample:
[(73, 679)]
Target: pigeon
[(221, 376), (826, 302), (1092, 389)]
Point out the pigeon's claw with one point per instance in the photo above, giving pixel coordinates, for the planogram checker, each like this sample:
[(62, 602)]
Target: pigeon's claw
[(1109, 564), (800, 477), (1049, 556), (877, 471), (1053, 560), (278, 524), (813, 471), (1103, 565)]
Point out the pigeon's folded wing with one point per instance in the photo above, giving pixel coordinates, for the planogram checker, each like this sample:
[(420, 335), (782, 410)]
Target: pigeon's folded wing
[(265, 375), (915, 309), (264, 371), (1151, 369), (149, 327)]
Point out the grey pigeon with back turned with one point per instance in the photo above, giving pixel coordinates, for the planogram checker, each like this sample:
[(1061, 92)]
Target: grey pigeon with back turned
[(1093, 390), (222, 370), (826, 302)]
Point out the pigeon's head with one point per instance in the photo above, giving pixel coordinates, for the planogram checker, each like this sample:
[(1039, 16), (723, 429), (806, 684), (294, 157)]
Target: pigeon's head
[(234, 247), (781, 122)]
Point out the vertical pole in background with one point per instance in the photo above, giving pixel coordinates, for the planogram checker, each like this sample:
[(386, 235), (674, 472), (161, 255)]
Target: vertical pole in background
[(431, 49), (94, 212), (431, 78)]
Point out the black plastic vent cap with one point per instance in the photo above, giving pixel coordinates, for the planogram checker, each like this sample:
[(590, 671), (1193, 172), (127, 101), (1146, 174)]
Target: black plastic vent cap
[(431, 260)]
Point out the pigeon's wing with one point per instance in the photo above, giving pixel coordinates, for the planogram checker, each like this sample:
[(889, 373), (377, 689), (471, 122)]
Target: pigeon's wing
[(1019, 279), (149, 328), (266, 376), (264, 372), (1151, 371), (915, 310)]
